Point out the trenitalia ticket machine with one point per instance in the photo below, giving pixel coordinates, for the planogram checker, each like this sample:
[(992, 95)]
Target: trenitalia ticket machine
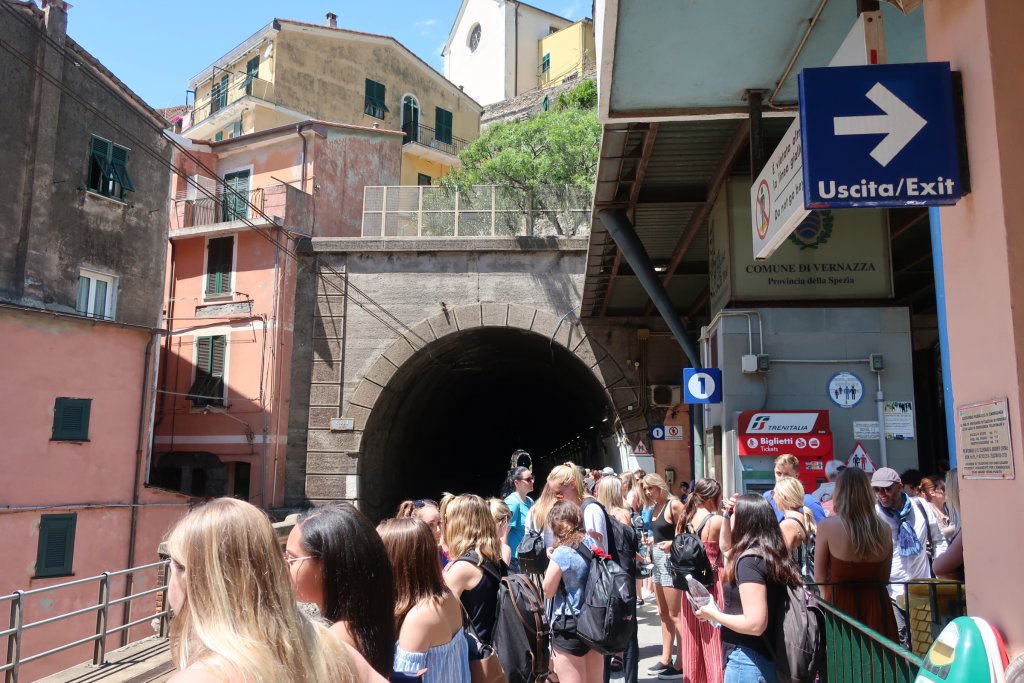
[(763, 435)]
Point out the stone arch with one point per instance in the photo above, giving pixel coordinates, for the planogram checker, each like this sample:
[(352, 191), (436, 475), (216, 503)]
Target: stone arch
[(579, 358)]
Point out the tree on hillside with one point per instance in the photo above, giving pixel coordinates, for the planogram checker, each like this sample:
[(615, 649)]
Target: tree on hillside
[(547, 161)]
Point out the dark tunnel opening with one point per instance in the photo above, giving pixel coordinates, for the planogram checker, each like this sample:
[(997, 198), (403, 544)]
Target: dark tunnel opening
[(453, 414)]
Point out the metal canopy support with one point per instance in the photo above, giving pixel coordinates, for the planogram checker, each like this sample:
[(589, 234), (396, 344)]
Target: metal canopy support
[(622, 231), (754, 101)]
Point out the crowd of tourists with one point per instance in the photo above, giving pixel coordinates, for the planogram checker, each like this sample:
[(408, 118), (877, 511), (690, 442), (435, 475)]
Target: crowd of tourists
[(469, 589)]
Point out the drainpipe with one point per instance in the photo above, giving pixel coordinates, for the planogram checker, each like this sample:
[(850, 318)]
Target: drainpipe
[(633, 251), (515, 61), (622, 231), (934, 219), (167, 342), (298, 130), (140, 453)]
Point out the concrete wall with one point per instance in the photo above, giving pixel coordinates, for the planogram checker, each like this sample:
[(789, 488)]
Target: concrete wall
[(344, 356), (982, 243), (337, 93), (825, 334), (50, 225)]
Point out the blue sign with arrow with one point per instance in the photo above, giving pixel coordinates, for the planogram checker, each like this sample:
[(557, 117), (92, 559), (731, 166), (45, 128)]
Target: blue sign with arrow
[(879, 136)]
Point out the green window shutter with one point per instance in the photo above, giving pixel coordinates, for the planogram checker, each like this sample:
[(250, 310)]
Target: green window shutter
[(443, 125), (56, 545), (219, 265), (375, 97), (252, 69), (236, 196), (223, 92), (71, 419), (545, 63), (100, 172), (83, 295), (119, 168), (208, 388)]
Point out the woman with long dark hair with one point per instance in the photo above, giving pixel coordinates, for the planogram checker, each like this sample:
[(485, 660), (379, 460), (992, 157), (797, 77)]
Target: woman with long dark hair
[(338, 562), (428, 617), (754, 580)]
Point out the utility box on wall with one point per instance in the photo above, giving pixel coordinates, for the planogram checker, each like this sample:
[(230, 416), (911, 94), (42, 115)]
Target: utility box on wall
[(808, 348)]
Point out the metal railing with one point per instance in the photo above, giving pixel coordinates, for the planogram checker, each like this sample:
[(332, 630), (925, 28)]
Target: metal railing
[(18, 626), (239, 85), (427, 136), (855, 653), (477, 211), (224, 206)]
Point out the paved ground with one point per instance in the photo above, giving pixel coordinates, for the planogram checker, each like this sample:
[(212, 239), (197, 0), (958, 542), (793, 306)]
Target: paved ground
[(148, 661)]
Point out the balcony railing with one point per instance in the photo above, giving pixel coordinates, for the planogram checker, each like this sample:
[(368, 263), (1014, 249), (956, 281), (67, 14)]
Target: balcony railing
[(477, 211), (426, 136), (19, 624), (223, 207), (238, 86)]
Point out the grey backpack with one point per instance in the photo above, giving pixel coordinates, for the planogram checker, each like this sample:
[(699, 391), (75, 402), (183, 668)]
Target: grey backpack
[(795, 636)]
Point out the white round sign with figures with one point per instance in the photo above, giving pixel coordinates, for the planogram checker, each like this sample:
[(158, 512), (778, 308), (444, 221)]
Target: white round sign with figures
[(845, 389)]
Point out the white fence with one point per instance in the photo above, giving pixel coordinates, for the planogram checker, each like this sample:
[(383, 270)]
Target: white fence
[(479, 211)]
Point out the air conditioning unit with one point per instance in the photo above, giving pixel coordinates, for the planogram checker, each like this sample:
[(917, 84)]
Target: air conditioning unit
[(666, 395)]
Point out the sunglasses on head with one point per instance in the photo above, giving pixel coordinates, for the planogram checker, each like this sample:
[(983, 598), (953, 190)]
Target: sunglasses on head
[(424, 502)]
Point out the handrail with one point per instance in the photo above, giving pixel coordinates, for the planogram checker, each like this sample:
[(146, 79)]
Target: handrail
[(15, 656), (427, 136)]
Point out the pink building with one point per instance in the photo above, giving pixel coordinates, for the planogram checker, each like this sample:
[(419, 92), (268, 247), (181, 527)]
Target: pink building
[(81, 270), (222, 413)]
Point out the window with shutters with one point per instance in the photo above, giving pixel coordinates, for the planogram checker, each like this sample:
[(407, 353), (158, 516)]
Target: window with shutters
[(374, 102), (443, 125), (545, 63), (97, 294), (219, 94), (56, 545), (108, 169), (208, 387), (71, 419), (235, 206), (219, 264), (252, 72)]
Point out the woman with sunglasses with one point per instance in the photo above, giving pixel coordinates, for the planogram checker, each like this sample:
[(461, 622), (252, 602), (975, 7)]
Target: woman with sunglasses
[(224, 555), (337, 562), (853, 554), (517, 498)]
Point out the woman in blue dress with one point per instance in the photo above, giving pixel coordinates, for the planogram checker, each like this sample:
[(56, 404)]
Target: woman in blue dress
[(428, 617)]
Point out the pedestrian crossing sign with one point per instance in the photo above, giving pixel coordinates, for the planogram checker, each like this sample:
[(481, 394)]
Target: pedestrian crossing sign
[(640, 448)]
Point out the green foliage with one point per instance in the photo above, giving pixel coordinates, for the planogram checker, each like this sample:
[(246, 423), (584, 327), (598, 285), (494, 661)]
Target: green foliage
[(557, 147)]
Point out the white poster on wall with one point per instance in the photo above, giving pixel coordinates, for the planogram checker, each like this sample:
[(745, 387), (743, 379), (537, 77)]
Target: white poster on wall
[(899, 420)]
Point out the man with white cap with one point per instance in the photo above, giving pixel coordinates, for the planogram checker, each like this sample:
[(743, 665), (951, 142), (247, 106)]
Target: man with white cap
[(825, 492), (608, 472), (914, 529)]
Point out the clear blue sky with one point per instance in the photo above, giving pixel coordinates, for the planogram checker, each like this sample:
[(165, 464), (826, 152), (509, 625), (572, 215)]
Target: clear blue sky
[(155, 47)]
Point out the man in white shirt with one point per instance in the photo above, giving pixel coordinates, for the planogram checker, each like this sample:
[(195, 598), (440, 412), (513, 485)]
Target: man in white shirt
[(914, 527), (824, 493)]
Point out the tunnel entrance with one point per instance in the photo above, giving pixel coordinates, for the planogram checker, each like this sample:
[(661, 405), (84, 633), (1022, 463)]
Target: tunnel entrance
[(453, 414)]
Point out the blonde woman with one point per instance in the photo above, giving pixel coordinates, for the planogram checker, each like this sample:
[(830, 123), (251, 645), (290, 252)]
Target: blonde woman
[(476, 567), (222, 555), (502, 515), (667, 511), (428, 618), (853, 554), (609, 494), (797, 520), (565, 482)]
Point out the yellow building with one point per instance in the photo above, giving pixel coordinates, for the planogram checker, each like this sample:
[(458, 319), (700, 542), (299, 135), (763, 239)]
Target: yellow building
[(566, 55), (290, 71)]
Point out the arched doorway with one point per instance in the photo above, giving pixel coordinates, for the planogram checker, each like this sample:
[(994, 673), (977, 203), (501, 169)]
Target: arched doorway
[(452, 415), (410, 119)]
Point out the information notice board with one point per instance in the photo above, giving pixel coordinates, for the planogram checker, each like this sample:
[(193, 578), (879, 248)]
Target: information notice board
[(984, 440)]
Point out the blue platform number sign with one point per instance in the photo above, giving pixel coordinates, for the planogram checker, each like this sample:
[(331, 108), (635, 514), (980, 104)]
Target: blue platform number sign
[(879, 136), (658, 433), (702, 386)]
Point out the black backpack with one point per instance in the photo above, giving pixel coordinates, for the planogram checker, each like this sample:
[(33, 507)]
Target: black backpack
[(607, 619), (533, 552), (795, 636), (522, 633), (688, 556), (623, 541)]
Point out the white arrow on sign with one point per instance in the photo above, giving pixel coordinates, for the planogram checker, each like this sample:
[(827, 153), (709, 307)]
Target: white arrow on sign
[(900, 123)]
